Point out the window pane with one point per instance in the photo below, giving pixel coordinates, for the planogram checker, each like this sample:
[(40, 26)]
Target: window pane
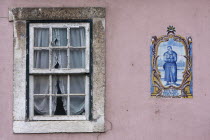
[(59, 37), (77, 58), (41, 105), (41, 37), (77, 84), (59, 59), (41, 84), (59, 105), (77, 37), (59, 84), (77, 105), (41, 59)]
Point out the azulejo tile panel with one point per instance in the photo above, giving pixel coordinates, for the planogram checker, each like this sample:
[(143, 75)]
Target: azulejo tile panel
[(171, 66)]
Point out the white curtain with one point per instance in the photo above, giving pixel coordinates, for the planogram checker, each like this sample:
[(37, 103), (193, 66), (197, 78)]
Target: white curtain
[(59, 86), (77, 37), (59, 37), (77, 84), (41, 59), (77, 58), (77, 103), (41, 103), (41, 37), (59, 60)]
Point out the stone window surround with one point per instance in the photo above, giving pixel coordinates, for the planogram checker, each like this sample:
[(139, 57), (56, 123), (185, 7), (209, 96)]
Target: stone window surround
[(20, 16)]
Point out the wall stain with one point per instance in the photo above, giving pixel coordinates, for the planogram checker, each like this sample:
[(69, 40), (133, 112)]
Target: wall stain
[(109, 129), (157, 111)]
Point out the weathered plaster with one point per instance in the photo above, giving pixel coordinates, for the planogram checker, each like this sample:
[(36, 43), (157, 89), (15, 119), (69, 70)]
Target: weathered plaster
[(19, 16)]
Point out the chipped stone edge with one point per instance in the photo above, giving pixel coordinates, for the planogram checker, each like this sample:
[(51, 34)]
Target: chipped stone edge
[(20, 122)]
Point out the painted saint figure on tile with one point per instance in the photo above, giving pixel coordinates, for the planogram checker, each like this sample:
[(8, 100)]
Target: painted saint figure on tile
[(171, 66)]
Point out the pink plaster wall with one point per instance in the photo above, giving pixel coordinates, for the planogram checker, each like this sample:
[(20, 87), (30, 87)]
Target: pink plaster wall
[(133, 113)]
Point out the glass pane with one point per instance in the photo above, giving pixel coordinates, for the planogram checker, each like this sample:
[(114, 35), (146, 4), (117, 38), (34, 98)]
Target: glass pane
[(59, 37), (59, 59), (41, 37), (41, 59), (59, 105), (77, 105), (59, 84), (41, 105), (41, 84), (77, 58), (77, 84), (77, 37)]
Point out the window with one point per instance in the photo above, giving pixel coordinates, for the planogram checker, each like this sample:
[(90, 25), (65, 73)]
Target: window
[(59, 69)]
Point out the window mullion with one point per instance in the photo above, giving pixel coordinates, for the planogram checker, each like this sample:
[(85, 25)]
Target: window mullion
[(68, 98), (50, 49), (68, 58), (68, 36), (31, 97), (31, 49), (87, 49), (68, 51), (87, 101), (50, 76), (50, 92)]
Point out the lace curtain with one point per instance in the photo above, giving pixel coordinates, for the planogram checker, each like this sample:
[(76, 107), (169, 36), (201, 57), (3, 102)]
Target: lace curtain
[(59, 60)]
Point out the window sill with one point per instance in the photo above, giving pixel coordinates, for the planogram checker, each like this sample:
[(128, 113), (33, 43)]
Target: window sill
[(58, 126)]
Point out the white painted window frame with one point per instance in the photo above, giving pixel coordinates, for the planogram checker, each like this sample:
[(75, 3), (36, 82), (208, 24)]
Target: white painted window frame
[(20, 18), (67, 71)]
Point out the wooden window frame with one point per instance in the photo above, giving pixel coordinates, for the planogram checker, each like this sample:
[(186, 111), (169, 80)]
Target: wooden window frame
[(66, 71)]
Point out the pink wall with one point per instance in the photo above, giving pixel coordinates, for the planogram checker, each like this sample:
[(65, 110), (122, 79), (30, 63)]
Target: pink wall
[(133, 113)]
